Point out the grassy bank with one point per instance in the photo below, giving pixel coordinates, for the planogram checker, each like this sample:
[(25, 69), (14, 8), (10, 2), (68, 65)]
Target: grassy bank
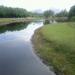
[(55, 44), (4, 21)]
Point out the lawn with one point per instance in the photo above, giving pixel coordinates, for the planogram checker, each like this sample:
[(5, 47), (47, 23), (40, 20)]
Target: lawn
[(55, 44)]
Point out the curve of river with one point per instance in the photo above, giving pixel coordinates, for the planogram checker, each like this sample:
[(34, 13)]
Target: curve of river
[(16, 52)]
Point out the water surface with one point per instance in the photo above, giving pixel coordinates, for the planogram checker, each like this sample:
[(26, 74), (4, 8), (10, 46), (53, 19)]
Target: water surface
[(17, 56)]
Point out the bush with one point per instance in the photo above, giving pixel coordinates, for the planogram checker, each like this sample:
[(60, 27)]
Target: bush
[(61, 19), (72, 19), (46, 21)]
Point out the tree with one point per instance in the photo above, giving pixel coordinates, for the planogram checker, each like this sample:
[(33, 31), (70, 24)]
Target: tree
[(63, 13), (48, 16), (72, 12), (48, 13), (12, 12), (62, 16)]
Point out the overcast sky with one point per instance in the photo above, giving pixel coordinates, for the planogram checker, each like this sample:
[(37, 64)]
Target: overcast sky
[(39, 4)]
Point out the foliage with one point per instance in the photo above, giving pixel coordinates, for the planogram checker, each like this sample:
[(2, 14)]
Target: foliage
[(72, 19), (46, 21), (72, 12), (35, 14), (12, 12), (61, 19), (62, 16), (63, 13), (48, 13)]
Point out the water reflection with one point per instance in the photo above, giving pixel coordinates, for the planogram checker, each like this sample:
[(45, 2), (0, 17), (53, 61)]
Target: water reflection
[(13, 27), (16, 51), (18, 31)]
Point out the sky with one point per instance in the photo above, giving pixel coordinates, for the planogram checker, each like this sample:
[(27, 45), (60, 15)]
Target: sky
[(33, 5)]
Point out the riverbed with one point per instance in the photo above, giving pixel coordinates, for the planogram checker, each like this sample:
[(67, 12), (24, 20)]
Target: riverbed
[(17, 55)]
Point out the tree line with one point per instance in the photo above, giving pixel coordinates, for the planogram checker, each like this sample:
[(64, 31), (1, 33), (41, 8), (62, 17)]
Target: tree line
[(63, 15), (9, 12)]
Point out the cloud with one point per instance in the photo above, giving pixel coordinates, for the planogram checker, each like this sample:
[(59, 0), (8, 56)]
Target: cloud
[(39, 4)]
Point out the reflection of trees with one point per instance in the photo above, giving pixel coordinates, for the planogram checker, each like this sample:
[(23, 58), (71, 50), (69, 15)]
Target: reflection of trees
[(13, 27)]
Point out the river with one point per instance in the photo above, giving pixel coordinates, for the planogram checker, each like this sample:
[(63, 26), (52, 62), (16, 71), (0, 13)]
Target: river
[(17, 55)]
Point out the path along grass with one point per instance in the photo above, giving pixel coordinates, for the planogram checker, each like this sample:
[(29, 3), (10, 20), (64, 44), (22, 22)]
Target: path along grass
[(55, 43)]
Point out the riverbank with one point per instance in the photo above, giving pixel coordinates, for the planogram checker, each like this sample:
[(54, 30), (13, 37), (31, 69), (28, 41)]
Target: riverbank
[(55, 44), (5, 21)]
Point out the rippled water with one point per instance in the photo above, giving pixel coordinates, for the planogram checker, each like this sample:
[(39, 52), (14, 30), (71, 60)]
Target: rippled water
[(17, 56)]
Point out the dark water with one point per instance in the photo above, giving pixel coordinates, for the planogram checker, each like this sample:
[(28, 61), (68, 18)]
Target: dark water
[(13, 27), (17, 56)]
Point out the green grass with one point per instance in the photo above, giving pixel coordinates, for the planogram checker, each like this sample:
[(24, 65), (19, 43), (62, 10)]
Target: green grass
[(55, 43), (4, 21)]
